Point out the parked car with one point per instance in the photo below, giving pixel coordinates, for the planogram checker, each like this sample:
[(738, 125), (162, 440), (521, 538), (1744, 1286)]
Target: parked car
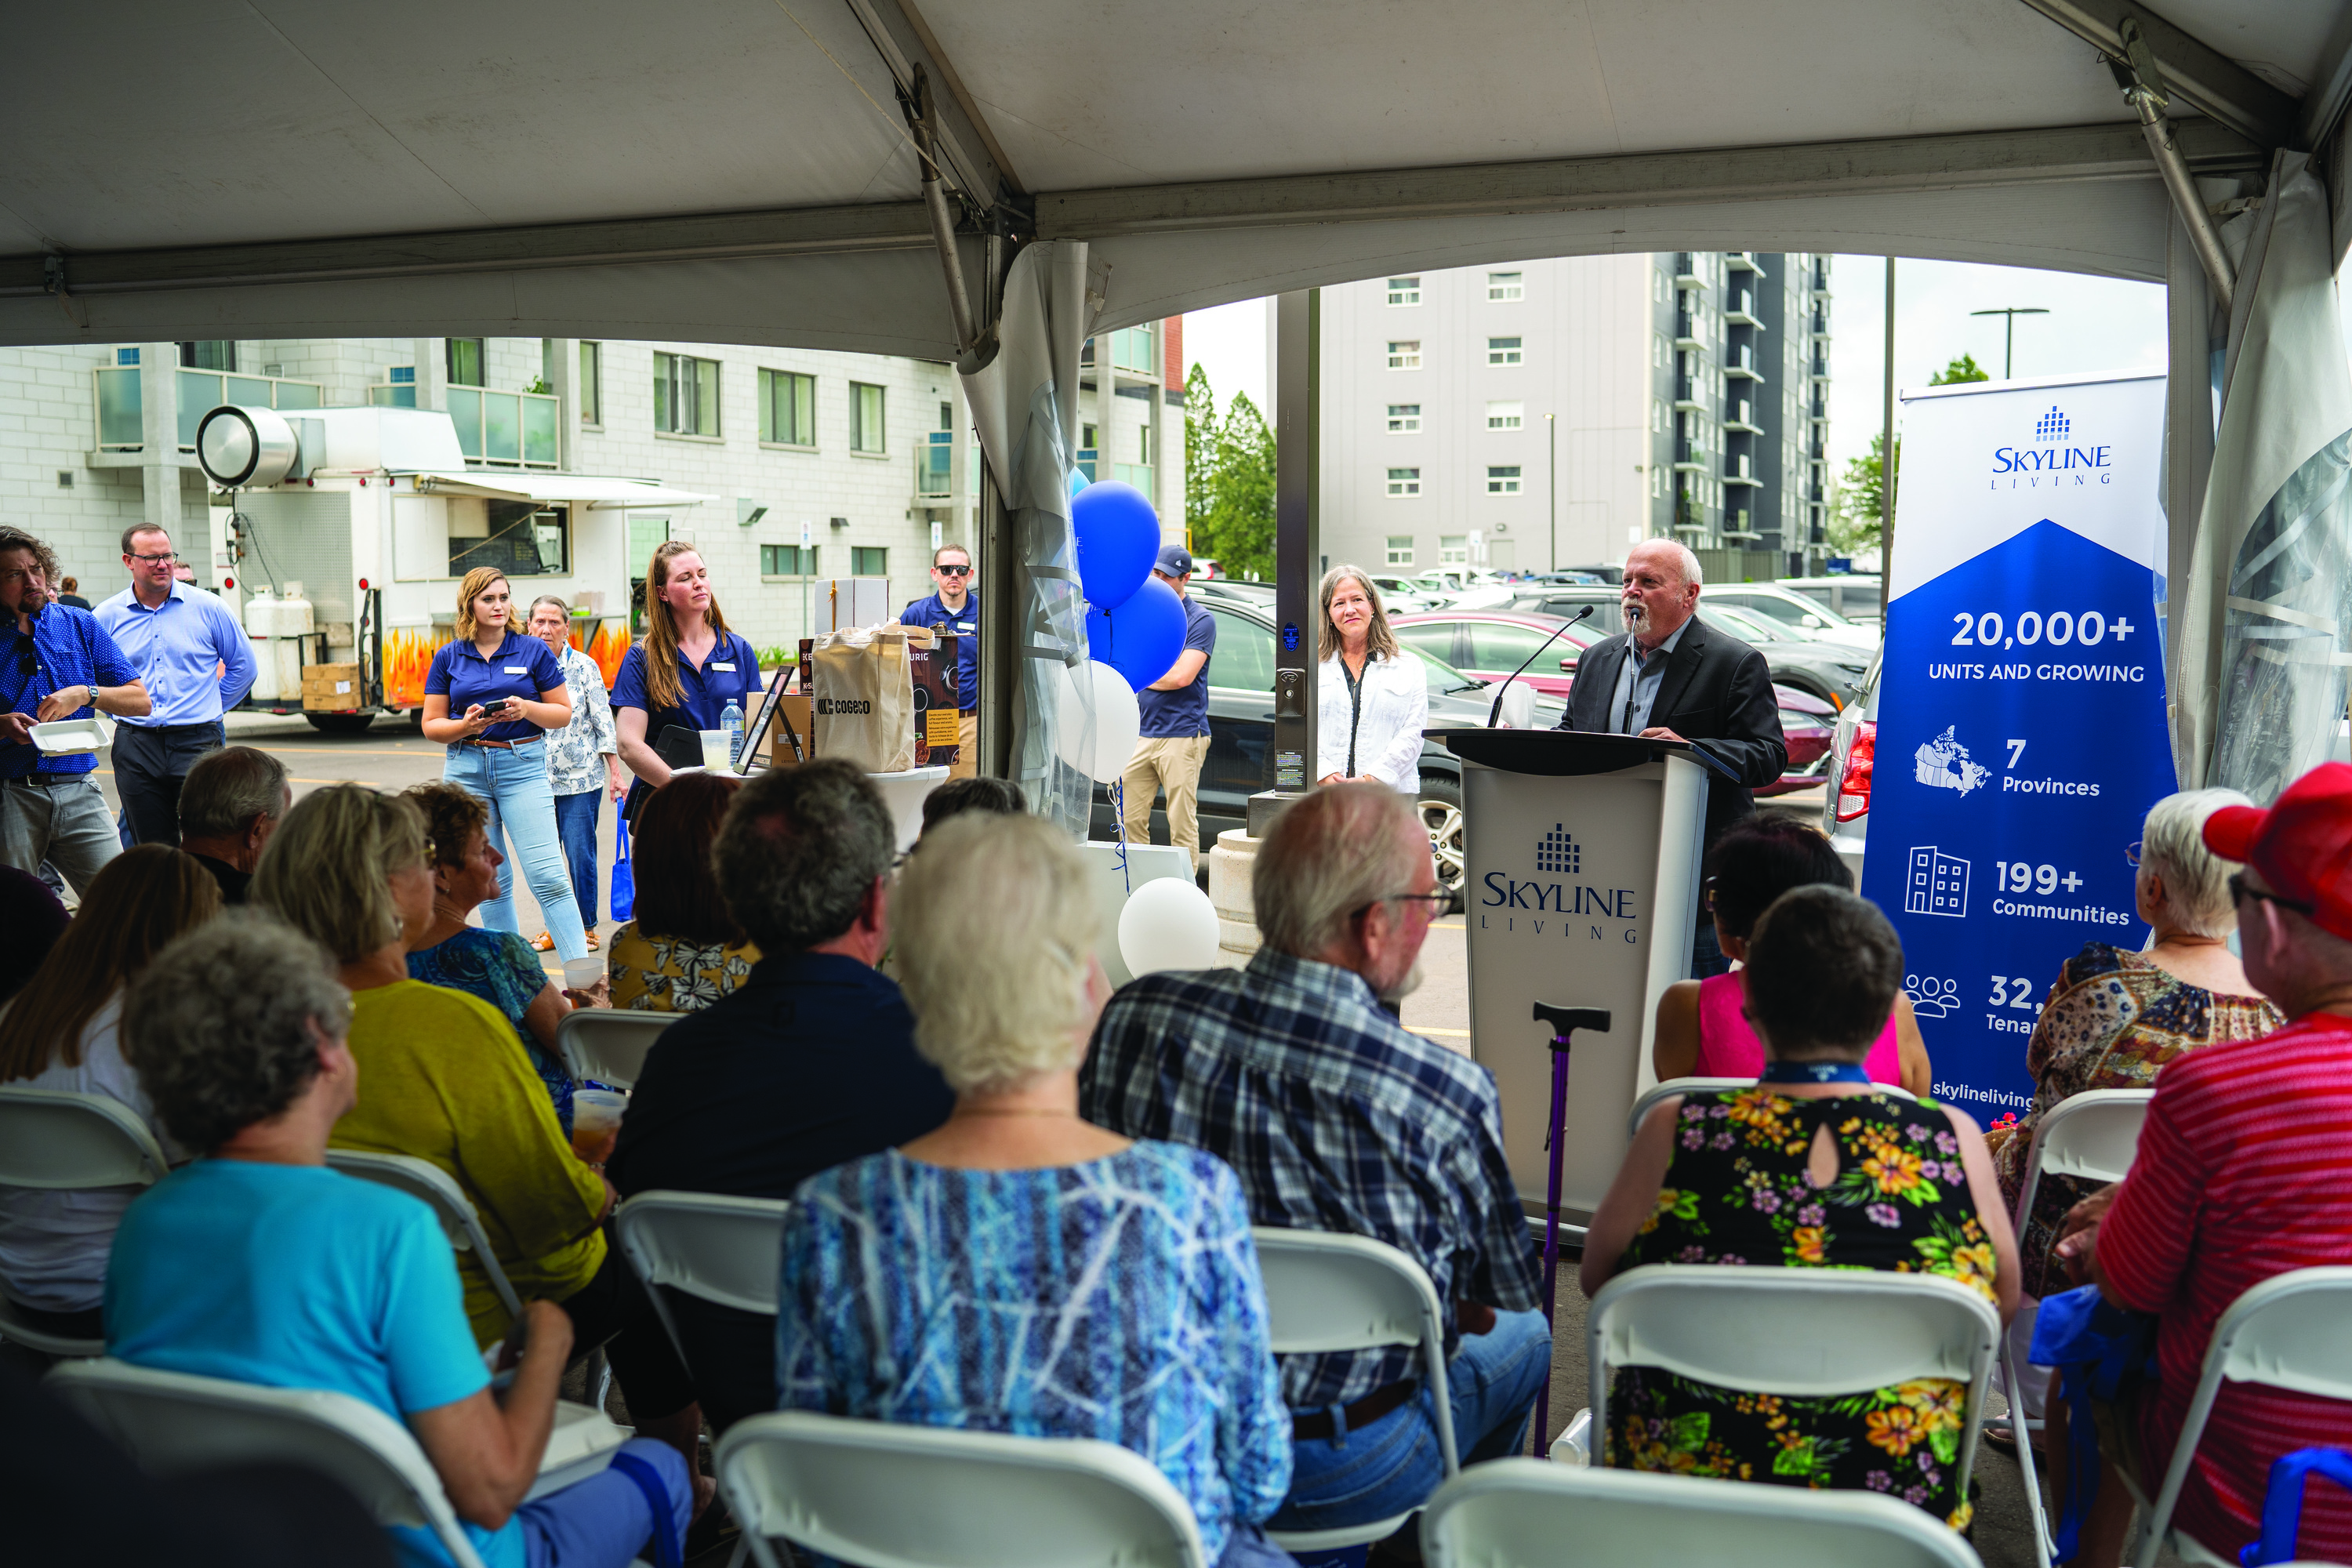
[(1858, 597), (1798, 617), (1234, 591), (1402, 595), (1488, 645), (1854, 749), (1828, 671), (1241, 728)]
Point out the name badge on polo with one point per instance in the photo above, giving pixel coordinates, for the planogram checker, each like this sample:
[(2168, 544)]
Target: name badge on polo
[(518, 669), (967, 625), (727, 668)]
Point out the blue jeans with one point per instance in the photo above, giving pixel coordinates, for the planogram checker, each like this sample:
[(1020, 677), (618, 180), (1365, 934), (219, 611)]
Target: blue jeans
[(1384, 1469), (604, 1521), (575, 824), (513, 784)]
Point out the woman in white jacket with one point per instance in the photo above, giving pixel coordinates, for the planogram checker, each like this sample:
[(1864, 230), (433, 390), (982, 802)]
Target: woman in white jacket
[(1371, 697)]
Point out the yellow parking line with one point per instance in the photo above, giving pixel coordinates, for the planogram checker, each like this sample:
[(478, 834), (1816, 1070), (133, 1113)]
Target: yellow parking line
[(1446, 925), (1457, 1034)]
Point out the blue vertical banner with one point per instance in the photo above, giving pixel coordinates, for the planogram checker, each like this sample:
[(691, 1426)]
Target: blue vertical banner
[(2022, 734)]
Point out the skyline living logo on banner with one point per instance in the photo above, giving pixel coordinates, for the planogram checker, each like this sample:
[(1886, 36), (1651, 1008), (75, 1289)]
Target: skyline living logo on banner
[(2022, 730)]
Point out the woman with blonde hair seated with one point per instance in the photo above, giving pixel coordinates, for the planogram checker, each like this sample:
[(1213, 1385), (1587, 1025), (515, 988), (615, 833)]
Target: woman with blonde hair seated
[(1814, 1167), (62, 1032), (1019, 1270)]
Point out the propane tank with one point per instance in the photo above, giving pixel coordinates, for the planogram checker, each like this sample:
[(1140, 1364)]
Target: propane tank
[(293, 625), (260, 627)]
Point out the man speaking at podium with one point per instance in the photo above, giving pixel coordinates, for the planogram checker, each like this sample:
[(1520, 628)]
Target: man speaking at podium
[(1672, 677)]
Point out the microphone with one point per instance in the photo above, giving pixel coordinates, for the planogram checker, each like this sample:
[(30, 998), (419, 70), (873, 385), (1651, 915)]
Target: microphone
[(1497, 711)]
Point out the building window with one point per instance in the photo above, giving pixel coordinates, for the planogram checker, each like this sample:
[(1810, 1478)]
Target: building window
[(1503, 479), (1404, 356), (1404, 291), (1658, 351), (686, 394), (1404, 481), (787, 560), (1658, 415), (787, 408), (215, 355), (1503, 351), (592, 384), (866, 429), (1504, 287), (1506, 416), (1404, 418), (1658, 483), (1453, 550), (465, 361), (1399, 548), (1143, 444), (868, 561)]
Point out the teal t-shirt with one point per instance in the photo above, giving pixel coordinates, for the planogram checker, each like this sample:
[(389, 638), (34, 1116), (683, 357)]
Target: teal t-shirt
[(299, 1276)]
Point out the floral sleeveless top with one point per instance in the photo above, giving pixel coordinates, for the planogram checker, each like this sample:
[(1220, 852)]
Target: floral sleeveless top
[(1736, 1192)]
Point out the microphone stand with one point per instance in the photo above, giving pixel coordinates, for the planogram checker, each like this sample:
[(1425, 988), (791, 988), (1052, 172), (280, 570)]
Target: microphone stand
[(1497, 711)]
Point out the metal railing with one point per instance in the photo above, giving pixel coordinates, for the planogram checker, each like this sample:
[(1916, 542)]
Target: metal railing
[(505, 428), (119, 401)]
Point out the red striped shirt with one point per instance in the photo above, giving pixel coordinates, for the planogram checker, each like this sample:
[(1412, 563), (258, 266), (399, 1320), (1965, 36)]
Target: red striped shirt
[(2242, 1174)]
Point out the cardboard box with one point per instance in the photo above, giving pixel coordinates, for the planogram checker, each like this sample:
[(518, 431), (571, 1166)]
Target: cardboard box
[(331, 687), (774, 750)]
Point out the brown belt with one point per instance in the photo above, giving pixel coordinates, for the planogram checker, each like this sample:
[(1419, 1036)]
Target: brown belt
[(1362, 1413), (501, 745)]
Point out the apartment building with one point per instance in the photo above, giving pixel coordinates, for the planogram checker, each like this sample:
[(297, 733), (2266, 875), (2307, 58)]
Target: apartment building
[(1558, 412), (817, 463)]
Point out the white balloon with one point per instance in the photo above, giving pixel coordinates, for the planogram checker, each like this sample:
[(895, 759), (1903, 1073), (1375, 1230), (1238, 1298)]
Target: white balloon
[(1096, 739), (1168, 923)]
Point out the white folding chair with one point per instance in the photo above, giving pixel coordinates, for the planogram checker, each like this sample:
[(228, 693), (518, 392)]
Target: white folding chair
[(890, 1496), (1524, 1513), (1326, 1292), (60, 1140), (2286, 1333), (423, 1179), (1800, 1332), (2092, 1135), (608, 1044), (722, 1250), (1656, 1093)]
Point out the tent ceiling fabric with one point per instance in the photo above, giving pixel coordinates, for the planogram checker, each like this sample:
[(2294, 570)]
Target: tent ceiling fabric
[(708, 170)]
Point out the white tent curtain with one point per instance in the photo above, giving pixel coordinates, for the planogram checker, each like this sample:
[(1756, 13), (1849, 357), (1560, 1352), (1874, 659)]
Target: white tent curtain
[(1024, 407), (2260, 650)]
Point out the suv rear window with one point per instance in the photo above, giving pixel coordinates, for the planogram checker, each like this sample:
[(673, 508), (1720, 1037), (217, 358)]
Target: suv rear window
[(1244, 658)]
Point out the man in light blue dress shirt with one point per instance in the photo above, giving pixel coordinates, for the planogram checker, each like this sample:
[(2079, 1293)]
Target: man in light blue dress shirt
[(196, 663)]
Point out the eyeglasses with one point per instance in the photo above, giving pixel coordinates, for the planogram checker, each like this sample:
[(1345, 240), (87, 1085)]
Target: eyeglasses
[(952, 571), (2132, 852), (1437, 903), (2240, 893), (166, 558)]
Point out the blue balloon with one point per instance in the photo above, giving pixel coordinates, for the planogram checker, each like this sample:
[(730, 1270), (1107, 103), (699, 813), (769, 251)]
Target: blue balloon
[(1079, 481), (1117, 538), (1142, 639)]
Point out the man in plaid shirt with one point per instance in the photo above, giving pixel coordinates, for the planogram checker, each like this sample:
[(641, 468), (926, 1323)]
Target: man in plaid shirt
[(1337, 1118)]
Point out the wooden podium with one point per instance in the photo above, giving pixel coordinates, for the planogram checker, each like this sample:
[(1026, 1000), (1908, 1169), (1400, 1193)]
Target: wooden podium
[(1581, 891)]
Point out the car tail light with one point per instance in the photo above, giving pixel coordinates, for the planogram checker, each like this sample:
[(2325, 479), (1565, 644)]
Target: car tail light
[(1853, 782)]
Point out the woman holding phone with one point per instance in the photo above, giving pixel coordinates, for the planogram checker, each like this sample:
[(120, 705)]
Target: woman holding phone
[(682, 673), (509, 691)]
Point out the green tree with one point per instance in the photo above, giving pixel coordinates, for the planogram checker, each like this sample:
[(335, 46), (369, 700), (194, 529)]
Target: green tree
[(1238, 530), (1855, 524), (1199, 454), (1964, 368)]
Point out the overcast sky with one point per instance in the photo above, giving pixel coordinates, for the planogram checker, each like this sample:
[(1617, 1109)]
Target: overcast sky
[(2094, 324)]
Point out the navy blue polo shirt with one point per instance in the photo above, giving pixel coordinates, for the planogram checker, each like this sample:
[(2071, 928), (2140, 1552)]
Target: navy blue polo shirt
[(1184, 713), (733, 670), (68, 648), (965, 624), (521, 667)]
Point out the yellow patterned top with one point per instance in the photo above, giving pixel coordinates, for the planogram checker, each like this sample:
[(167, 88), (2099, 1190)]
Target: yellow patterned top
[(673, 974)]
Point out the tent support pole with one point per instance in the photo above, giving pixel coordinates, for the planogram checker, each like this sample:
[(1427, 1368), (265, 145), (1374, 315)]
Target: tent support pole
[(2142, 80), (999, 568), (924, 125)]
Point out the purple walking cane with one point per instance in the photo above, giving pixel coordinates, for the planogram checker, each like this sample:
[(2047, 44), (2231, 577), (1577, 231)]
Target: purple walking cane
[(1564, 1022)]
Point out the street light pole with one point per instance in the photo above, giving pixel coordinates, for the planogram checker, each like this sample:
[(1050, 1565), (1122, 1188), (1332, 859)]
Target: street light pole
[(1551, 468), (2009, 332)]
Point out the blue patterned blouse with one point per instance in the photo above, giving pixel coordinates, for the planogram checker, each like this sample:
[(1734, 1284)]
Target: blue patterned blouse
[(1117, 1300), (501, 969)]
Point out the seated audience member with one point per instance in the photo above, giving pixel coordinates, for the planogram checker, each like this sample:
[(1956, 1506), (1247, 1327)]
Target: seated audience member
[(1142, 1319), (684, 949), (34, 918), (2114, 1019), (449, 1082), (260, 1264), (62, 1033), (1811, 1168), (1701, 1031), (230, 803), (2239, 1177), (811, 1062), (1337, 1118), (498, 966), (957, 796)]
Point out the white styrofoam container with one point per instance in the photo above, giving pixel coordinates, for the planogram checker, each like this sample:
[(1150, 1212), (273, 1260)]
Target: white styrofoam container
[(68, 736)]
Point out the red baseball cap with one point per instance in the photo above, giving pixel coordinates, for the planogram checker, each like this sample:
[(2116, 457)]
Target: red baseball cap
[(2302, 847)]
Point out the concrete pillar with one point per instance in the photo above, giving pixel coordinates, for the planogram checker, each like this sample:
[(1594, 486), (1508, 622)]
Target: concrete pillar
[(432, 357), (159, 436), (564, 382)]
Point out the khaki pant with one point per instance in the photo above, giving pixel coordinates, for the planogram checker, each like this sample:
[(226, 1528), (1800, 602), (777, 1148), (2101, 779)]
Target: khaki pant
[(1173, 764), (967, 762)]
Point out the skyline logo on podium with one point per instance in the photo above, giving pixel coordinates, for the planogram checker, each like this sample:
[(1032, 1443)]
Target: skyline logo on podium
[(1556, 852)]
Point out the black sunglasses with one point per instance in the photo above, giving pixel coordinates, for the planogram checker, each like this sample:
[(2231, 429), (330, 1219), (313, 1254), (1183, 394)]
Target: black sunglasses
[(952, 571), (2240, 893)]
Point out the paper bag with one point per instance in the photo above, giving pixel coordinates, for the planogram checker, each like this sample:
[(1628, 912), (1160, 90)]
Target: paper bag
[(864, 708)]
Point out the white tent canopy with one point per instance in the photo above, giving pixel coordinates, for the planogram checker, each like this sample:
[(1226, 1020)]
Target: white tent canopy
[(739, 171)]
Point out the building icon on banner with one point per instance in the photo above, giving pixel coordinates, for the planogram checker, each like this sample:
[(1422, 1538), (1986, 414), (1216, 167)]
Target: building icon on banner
[(1558, 853), (1936, 884), (1943, 763)]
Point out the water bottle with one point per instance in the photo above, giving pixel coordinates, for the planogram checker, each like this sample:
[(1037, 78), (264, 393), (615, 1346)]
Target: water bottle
[(731, 721)]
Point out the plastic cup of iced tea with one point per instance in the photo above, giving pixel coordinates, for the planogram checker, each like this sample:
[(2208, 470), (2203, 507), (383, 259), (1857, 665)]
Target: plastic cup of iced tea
[(596, 1122)]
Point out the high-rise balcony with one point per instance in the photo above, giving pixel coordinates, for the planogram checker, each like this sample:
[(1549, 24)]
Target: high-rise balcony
[(1686, 272), (1741, 361), (1686, 335), (1691, 456), (1740, 469), (1739, 311), (1743, 261), (500, 428), (1821, 367), (1740, 415), (119, 401), (1690, 394)]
